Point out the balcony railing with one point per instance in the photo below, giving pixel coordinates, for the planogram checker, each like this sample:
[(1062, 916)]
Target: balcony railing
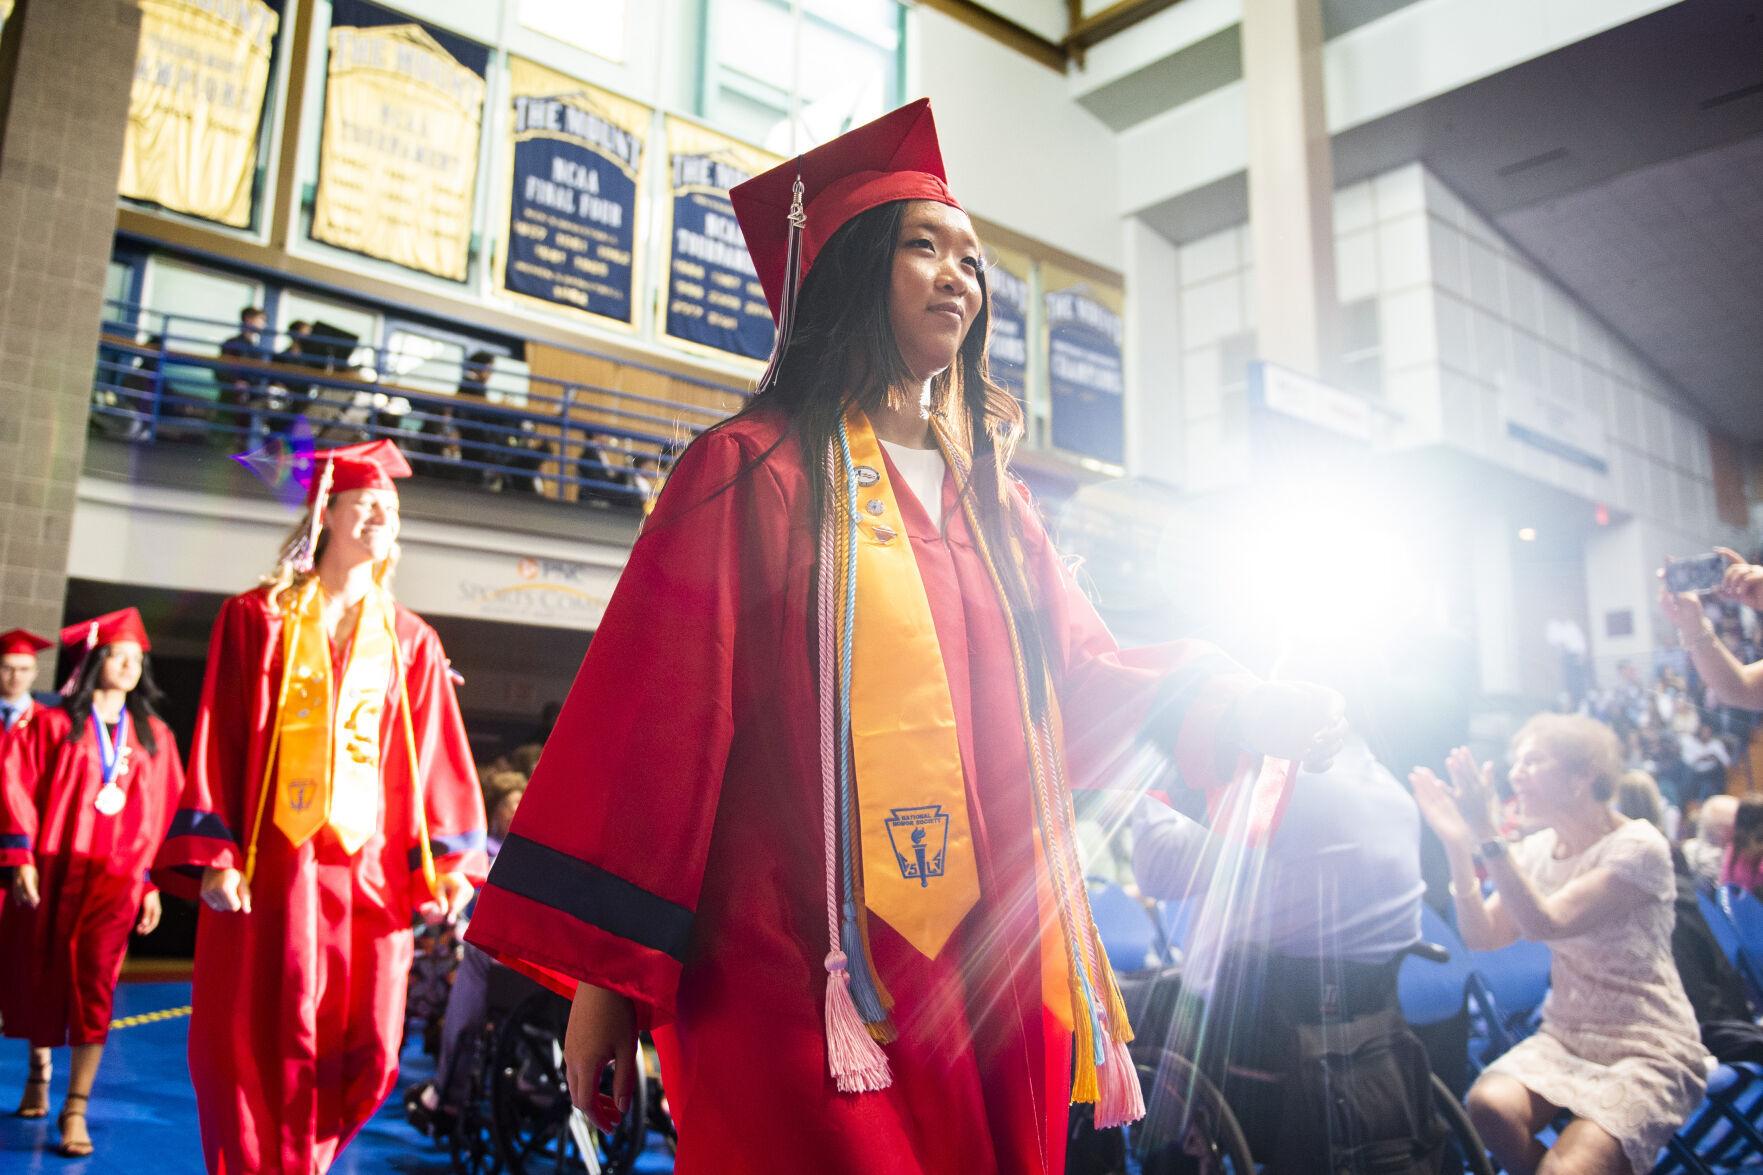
[(163, 378)]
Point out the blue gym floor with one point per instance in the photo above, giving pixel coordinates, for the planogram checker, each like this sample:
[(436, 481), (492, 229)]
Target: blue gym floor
[(144, 1114)]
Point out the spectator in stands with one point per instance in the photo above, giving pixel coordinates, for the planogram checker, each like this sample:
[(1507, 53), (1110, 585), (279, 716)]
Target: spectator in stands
[(1619, 1046), (1705, 760), (1742, 864), (1731, 682), (1706, 851), (295, 355), (432, 1103), (244, 387), (1713, 985)]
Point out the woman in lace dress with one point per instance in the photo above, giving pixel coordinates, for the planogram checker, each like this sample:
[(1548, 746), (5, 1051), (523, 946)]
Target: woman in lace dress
[(1618, 1047)]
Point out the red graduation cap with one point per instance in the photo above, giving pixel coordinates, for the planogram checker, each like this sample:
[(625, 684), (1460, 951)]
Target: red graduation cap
[(109, 628), (896, 157), (370, 465), (20, 640)]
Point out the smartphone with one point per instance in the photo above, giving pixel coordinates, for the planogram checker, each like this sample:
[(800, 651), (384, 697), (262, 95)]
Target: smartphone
[(1696, 573)]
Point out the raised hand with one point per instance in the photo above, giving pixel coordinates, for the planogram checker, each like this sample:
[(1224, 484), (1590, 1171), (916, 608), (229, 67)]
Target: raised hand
[(1438, 806)]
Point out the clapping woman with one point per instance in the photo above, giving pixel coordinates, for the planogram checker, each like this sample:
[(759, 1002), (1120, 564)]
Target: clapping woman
[(1618, 1047)]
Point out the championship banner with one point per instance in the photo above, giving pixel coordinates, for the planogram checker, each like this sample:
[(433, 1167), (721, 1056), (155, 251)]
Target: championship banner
[(1085, 375), (1007, 283), (576, 154), (714, 299), (403, 107), (196, 106)]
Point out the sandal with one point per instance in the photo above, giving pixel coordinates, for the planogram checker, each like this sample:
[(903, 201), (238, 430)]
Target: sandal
[(74, 1148), (35, 1105)]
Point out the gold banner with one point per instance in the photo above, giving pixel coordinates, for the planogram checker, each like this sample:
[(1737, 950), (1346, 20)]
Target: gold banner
[(197, 105), (398, 165)]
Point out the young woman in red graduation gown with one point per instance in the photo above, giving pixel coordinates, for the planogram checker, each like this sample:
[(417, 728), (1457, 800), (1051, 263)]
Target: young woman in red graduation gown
[(95, 785), (303, 944), (687, 851)]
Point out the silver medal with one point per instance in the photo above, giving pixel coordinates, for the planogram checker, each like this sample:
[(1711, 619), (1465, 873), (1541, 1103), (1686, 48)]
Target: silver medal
[(109, 801)]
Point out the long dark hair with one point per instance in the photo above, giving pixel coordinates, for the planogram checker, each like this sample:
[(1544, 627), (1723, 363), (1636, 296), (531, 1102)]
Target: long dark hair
[(842, 353), (142, 702)]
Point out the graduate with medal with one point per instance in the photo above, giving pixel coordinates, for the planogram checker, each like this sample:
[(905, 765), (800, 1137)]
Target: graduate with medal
[(331, 795), (91, 791), (808, 801)]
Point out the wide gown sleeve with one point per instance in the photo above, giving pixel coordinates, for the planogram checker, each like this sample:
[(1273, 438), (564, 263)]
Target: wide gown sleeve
[(1173, 699), (452, 800), (22, 766), (207, 829), (598, 881)]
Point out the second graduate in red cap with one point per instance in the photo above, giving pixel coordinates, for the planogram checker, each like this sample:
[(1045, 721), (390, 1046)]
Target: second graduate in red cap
[(808, 799), (331, 793), (92, 790)]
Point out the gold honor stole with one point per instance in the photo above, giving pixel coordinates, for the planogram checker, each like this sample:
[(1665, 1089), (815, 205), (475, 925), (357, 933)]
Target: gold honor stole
[(328, 768), (919, 872)]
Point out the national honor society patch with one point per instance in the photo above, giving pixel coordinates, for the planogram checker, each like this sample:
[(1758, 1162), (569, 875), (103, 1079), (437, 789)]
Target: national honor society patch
[(919, 837)]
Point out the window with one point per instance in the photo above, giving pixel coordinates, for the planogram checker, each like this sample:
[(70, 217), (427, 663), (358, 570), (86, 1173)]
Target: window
[(848, 67), (200, 306), (594, 25), (1361, 348)]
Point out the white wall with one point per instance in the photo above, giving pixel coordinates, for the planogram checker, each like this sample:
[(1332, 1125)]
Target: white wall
[(1018, 150)]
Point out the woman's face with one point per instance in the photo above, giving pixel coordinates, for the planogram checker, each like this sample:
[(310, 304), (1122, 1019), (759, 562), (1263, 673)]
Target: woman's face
[(122, 667), (934, 296), (363, 525), (1544, 785)]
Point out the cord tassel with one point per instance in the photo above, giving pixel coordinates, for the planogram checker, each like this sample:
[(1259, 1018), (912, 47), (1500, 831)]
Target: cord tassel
[(857, 1062), (1120, 1101), (786, 311)]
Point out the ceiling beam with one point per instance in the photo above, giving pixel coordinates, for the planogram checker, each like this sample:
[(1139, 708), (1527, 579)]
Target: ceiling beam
[(1116, 18), (1003, 30)]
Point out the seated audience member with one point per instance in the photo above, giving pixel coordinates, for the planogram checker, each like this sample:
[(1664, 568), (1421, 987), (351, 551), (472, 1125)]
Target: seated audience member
[(1705, 760), (468, 1007), (1317, 938), (1730, 681), (1619, 1046), (1742, 863), (242, 387), (1713, 985), (1706, 851)]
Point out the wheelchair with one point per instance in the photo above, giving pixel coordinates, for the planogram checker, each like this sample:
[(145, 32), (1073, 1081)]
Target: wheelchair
[(515, 1114), (1189, 1127)]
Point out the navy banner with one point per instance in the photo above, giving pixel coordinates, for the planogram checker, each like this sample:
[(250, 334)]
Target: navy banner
[(714, 299), (577, 154), (1007, 281), (1085, 375)]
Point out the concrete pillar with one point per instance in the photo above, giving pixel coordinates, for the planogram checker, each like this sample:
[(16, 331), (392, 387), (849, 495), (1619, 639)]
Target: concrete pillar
[(1291, 186), (1154, 443), (65, 72)]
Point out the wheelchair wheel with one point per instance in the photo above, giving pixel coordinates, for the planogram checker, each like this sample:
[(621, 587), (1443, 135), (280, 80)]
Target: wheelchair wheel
[(1187, 1128), (535, 1126), (1463, 1146)]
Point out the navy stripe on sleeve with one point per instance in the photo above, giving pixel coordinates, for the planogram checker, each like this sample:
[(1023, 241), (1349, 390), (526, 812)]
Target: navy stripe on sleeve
[(589, 894)]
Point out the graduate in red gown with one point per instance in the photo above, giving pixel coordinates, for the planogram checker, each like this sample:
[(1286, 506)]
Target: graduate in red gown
[(90, 796), (19, 707), (331, 794), (807, 801)]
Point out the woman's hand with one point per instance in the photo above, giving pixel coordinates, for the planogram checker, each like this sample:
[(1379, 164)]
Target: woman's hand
[(1743, 581), (226, 890), (452, 894), (1439, 807), (1292, 720), (148, 922), (1473, 787), (24, 886), (602, 1029)]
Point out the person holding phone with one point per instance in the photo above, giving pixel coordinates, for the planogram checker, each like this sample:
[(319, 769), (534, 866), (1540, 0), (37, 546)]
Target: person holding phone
[(1733, 683)]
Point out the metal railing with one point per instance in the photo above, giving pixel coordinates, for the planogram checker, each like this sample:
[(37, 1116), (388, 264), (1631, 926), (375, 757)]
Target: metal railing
[(169, 378)]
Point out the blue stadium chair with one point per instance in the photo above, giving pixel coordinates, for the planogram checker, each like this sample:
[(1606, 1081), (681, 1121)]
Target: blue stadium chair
[(1432, 992), (1726, 933), (1129, 933), (1723, 1134)]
